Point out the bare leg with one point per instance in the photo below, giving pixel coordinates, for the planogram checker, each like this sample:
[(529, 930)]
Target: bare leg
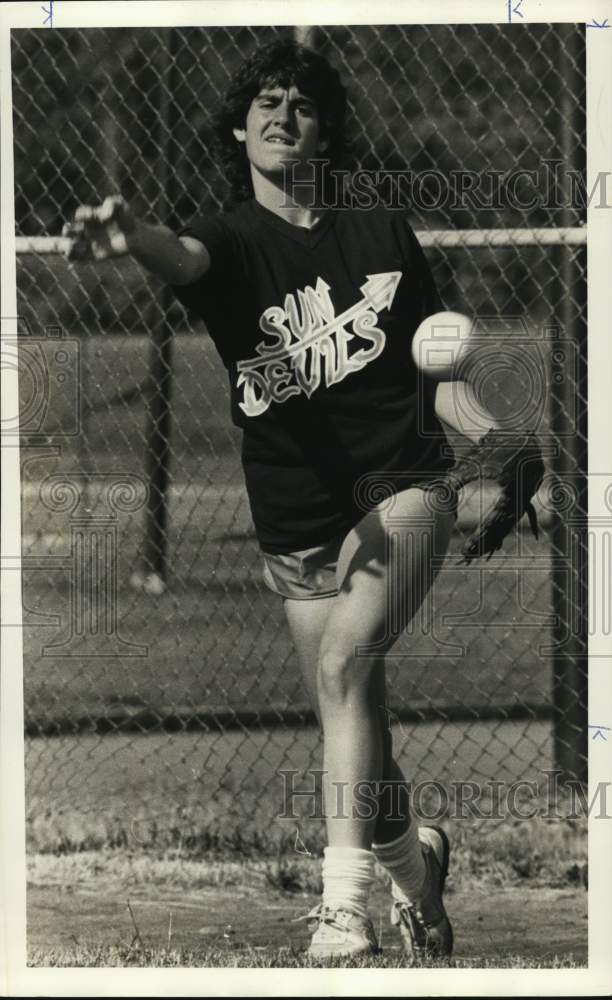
[(393, 815), (307, 621), (385, 569)]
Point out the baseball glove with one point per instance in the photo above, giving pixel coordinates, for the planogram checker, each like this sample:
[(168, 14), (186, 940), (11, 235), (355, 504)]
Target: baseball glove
[(514, 461)]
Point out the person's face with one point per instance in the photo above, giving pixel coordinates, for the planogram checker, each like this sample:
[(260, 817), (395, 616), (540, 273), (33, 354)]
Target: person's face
[(282, 124)]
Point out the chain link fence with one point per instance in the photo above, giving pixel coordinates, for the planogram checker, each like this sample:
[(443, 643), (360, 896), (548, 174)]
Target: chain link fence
[(148, 630)]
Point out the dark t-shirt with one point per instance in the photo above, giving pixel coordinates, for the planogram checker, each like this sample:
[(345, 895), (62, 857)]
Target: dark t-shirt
[(314, 327)]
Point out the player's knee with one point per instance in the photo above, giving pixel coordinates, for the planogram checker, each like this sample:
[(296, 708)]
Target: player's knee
[(340, 674)]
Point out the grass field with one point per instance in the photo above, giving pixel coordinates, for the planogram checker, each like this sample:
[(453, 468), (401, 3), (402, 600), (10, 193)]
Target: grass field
[(499, 929), (515, 894)]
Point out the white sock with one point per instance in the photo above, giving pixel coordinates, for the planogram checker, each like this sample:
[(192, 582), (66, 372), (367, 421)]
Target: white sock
[(348, 873), (403, 859)]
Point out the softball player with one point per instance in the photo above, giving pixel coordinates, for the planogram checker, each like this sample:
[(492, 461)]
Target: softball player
[(312, 311)]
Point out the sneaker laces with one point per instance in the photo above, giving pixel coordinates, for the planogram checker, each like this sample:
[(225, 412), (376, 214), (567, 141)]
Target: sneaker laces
[(319, 912), (322, 914), (415, 922)]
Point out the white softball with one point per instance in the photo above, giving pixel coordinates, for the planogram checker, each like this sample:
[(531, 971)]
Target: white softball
[(441, 343)]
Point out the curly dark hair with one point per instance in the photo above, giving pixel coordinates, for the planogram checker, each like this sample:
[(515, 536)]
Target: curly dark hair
[(282, 63)]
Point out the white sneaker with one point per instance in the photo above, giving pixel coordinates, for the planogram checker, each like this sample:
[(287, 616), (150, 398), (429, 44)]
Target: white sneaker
[(340, 933)]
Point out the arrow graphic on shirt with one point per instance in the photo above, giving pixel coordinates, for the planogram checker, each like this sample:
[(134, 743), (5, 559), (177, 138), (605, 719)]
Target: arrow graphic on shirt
[(378, 293)]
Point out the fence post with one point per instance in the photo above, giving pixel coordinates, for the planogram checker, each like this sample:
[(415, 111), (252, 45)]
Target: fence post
[(160, 368), (569, 427)]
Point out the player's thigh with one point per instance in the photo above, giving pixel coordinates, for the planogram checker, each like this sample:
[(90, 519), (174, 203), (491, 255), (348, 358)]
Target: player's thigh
[(386, 567)]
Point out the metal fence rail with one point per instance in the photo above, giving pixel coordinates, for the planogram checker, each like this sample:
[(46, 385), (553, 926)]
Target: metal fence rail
[(132, 473)]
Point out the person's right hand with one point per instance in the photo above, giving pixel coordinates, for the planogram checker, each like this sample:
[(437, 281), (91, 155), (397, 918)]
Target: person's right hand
[(100, 232)]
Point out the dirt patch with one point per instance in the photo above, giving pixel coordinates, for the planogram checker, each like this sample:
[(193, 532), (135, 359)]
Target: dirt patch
[(534, 924)]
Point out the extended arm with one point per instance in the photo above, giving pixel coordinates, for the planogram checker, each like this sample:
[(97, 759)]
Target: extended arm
[(458, 406), (112, 230)]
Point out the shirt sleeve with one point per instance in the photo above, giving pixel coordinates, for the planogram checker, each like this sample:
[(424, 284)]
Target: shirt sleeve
[(429, 296), (220, 242)]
